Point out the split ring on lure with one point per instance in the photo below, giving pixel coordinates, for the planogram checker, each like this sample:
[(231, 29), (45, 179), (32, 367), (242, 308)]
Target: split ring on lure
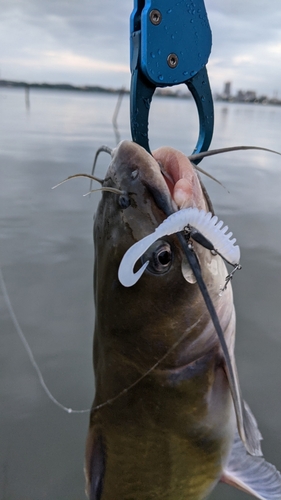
[(208, 225)]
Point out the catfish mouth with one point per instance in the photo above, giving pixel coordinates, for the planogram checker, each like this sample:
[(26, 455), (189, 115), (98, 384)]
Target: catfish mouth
[(185, 186)]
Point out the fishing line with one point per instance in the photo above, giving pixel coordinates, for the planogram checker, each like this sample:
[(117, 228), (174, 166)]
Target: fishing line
[(39, 373), (29, 351), (124, 391)]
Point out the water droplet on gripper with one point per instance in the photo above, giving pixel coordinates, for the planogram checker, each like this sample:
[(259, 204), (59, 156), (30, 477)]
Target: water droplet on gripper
[(152, 55), (169, 11), (161, 78)]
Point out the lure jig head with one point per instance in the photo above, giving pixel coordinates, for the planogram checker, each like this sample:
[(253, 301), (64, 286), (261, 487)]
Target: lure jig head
[(201, 223)]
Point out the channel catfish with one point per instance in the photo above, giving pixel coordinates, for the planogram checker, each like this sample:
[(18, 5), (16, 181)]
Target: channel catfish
[(168, 421)]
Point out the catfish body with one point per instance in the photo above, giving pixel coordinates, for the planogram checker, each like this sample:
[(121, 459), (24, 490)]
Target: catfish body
[(170, 435)]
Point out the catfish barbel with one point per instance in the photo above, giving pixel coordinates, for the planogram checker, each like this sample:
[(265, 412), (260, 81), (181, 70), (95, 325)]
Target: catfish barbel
[(168, 421)]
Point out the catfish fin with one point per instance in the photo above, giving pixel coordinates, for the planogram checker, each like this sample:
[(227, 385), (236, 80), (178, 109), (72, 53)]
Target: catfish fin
[(253, 435), (252, 475), (95, 465), (246, 422)]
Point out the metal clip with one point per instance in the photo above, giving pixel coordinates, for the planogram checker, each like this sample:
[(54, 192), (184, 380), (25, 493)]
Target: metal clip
[(170, 45)]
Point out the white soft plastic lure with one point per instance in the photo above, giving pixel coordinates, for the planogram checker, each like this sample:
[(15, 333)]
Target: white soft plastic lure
[(204, 222)]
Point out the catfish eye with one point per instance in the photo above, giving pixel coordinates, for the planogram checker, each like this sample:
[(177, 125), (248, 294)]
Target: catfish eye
[(160, 257), (124, 201)]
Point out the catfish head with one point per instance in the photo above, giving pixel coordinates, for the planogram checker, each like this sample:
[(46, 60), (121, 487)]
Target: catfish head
[(166, 298)]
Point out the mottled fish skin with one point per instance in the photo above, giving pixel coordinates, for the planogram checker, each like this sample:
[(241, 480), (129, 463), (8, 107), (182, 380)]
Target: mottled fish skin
[(171, 435)]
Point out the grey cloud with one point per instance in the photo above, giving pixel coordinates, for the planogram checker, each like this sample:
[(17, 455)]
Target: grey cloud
[(85, 27), (242, 9), (99, 29)]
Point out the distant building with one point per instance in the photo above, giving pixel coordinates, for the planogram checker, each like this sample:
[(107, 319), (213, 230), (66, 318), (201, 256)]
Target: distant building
[(226, 93), (241, 95), (246, 96), (227, 90)]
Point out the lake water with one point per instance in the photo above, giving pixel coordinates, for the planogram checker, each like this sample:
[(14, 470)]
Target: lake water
[(46, 257)]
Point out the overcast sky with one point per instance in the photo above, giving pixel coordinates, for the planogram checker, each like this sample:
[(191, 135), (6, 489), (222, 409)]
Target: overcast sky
[(87, 42)]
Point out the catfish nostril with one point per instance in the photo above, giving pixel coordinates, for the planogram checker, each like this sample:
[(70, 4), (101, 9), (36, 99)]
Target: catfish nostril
[(134, 174), (124, 201)]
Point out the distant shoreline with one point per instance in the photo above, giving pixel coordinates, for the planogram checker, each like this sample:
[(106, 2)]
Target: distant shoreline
[(166, 92), (60, 86), (162, 92)]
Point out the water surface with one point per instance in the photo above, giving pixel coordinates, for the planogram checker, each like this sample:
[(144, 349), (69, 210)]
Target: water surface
[(46, 257)]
